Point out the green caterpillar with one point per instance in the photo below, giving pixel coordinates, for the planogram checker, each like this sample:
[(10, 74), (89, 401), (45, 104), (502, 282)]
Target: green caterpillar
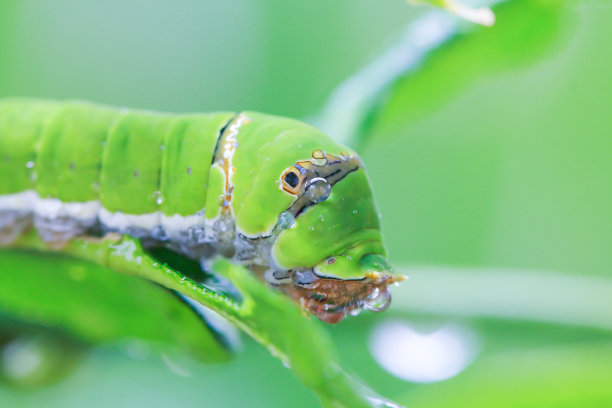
[(272, 193)]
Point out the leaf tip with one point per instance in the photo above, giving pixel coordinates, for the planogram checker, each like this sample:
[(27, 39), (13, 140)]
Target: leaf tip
[(483, 15)]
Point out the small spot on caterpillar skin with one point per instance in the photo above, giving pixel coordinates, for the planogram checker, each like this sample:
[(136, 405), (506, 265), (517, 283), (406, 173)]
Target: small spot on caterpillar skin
[(30, 165), (189, 170), (158, 197), (135, 173), (71, 166)]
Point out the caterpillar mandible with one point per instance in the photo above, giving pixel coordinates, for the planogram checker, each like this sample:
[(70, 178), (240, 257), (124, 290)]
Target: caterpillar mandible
[(272, 193)]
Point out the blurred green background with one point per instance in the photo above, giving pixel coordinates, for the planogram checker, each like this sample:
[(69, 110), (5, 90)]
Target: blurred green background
[(495, 200)]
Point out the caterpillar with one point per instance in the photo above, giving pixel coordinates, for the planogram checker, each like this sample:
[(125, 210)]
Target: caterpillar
[(272, 193)]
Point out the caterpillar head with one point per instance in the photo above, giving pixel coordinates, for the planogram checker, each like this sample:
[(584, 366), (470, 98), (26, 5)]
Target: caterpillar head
[(304, 212), (331, 248)]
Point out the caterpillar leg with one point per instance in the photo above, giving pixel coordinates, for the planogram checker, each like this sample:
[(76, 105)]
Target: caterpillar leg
[(13, 223)]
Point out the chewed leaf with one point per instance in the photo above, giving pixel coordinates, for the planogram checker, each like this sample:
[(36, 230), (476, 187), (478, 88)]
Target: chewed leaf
[(479, 15)]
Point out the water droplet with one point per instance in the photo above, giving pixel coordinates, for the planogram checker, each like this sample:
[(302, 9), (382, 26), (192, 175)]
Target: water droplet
[(30, 164), (286, 220), (311, 228), (321, 218), (355, 211), (162, 147), (379, 300), (318, 190)]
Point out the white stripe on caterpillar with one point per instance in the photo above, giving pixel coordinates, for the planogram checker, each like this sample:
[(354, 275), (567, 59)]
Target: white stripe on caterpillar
[(175, 225), (85, 214), (22, 201), (53, 208), (124, 222)]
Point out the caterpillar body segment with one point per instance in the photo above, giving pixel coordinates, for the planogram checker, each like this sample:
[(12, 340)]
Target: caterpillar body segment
[(272, 193)]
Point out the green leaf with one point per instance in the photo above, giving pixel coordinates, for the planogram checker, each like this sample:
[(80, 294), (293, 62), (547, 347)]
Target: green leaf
[(562, 376), (32, 357), (268, 316), (437, 57), (97, 305)]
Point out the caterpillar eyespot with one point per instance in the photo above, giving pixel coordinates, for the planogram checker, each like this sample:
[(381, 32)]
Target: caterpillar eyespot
[(203, 185), (292, 180)]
